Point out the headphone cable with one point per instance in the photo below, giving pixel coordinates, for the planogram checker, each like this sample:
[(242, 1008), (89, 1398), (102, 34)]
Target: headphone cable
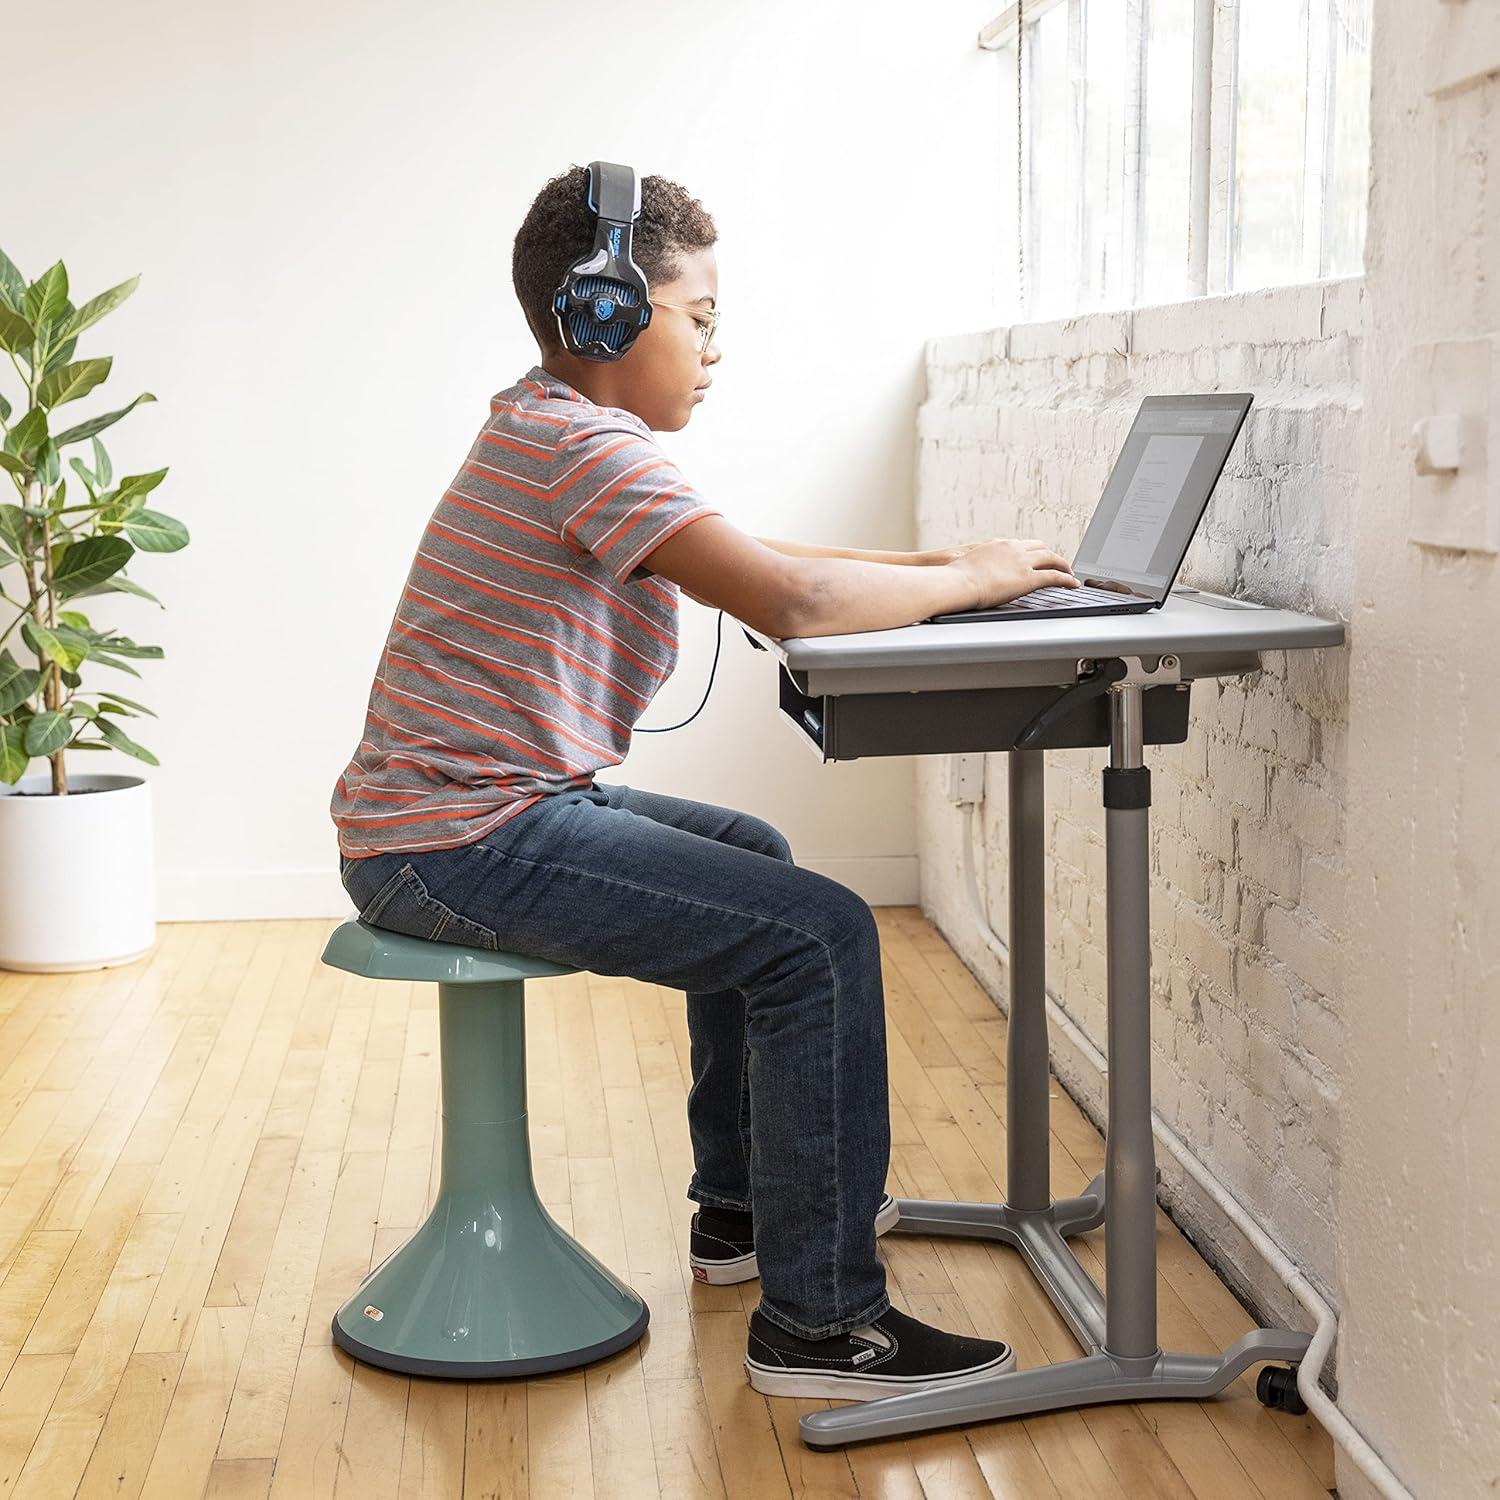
[(718, 641)]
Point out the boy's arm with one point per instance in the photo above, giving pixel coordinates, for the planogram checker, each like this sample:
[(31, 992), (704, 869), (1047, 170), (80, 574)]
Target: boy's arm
[(809, 549), (784, 596)]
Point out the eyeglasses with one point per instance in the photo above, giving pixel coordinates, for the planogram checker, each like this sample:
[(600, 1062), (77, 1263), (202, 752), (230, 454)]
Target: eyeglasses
[(706, 330)]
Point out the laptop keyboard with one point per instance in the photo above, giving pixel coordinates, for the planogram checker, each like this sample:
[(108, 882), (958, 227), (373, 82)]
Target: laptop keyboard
[(1057, 597)]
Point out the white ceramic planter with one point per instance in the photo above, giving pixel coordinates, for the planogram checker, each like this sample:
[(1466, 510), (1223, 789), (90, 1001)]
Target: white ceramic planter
[(77, 873)]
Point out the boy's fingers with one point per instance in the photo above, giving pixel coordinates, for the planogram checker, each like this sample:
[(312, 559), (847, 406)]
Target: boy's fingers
[(1066, 580), (1043, 558)]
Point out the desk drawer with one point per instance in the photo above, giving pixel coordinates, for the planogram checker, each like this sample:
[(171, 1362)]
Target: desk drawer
[(851, 725)]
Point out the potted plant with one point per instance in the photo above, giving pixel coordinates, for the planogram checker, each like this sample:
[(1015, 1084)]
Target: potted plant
[(77, 867)]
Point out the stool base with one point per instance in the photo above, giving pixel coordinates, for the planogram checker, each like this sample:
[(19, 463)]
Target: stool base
[(477, 1293)]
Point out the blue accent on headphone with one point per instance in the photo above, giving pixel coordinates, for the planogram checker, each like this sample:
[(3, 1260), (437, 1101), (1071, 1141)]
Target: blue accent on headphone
[(603, 301)]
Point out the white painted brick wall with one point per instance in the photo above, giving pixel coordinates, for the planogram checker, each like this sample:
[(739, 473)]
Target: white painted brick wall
[(1017, 435)]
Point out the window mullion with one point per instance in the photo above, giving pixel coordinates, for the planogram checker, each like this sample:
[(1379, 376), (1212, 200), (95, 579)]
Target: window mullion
[(1077, 144), (1317, 17), (1134, 148), (1224, 111)]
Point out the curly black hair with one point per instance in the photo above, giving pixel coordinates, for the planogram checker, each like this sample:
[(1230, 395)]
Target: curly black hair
[(559, 229)]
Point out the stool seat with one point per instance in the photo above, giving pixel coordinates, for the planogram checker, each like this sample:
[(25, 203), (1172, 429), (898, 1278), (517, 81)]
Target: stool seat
[(490, 1285), (378, 954)]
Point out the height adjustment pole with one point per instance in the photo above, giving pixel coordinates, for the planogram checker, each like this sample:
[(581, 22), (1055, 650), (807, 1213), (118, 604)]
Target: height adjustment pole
[(1130, 1159)]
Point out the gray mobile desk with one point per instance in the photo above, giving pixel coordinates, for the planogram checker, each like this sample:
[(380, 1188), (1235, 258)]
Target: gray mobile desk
[(1026, 686)]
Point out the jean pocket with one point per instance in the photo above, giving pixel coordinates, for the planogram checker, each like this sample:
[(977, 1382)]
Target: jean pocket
[(404, 904)]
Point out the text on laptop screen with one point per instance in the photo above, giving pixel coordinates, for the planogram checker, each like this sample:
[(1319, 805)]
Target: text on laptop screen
[(1158, 489)]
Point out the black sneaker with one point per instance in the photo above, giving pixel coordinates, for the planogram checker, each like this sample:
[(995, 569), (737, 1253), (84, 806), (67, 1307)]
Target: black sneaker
[(888, 1357), (721, 1248)]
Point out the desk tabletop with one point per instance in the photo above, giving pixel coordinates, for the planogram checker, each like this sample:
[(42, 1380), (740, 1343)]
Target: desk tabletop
[(1191, 622)]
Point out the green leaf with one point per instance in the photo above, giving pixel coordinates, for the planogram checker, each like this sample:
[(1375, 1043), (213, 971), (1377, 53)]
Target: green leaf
[(69, 382), (28, 434), (47, 731), (59, 356), (121, 647), (141, 484), (103, 471), (48, 464), (151, 531), (12, 283), (111, 699), (73, 619), (96, 307), (52, 644), (122, 741), (47, 296), (98, 424), (87, 562), (16, 333), (17, 683), (72, 679), (4, 408), (119, 584), (13, 756), (14, 527), (77, 466), (10, 462), (109, 661)]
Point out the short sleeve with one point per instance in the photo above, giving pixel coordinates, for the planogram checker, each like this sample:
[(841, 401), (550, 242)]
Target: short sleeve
[(617, 495)]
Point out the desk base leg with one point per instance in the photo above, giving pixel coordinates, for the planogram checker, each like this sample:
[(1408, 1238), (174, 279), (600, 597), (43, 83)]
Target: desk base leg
[(1039, 1236), (1091, 1381)]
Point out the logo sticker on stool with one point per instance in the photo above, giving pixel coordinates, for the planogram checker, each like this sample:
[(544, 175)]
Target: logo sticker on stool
[(373, 1313)]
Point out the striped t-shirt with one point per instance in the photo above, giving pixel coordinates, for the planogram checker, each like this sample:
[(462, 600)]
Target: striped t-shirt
[(527, 641)]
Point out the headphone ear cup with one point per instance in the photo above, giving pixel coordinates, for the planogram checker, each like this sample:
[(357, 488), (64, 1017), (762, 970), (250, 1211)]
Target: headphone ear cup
[(603, 303)]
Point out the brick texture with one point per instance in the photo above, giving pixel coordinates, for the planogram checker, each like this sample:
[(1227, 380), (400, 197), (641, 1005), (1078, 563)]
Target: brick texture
[(1017, 434)]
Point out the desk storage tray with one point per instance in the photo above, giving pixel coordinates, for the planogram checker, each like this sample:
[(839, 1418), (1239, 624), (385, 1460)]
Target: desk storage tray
[(851, 725)]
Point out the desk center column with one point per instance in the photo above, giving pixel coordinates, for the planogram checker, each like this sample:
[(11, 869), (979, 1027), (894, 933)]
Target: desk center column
[(1130, 1156)]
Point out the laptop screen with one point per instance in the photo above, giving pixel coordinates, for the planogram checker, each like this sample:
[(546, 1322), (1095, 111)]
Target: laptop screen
[(1158, 490)]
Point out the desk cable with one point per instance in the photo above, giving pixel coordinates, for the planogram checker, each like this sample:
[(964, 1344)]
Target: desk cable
[(1339, 1427)]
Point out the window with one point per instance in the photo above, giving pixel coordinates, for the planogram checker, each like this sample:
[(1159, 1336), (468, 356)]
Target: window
[(1169, 148)]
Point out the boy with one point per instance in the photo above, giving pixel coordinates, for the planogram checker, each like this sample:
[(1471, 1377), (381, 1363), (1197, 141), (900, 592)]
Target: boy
[(538, 619)]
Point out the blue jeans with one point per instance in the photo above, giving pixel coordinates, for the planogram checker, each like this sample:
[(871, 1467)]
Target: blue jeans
[(785, 1004)]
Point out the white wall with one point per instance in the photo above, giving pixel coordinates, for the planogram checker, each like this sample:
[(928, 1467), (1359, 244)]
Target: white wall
[(1419, 1199), (321, 201), (1018, 434)]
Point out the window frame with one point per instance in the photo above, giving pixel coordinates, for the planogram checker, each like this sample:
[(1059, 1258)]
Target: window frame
[(1212, 207)]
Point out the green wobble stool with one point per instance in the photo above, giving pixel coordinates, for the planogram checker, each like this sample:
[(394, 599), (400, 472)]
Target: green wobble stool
[(490, 1285)]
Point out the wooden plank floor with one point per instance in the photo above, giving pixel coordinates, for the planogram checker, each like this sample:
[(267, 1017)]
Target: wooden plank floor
[(202, 1154)]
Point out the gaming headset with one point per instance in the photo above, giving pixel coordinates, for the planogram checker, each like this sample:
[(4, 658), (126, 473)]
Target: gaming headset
[(602, 303)]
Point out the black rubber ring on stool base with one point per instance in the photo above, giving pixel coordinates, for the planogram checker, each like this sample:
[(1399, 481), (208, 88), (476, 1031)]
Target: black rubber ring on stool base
[(457, 1369)]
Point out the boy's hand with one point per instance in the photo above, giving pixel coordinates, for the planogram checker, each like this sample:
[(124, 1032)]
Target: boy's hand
[(1002, 570), (938, 555)]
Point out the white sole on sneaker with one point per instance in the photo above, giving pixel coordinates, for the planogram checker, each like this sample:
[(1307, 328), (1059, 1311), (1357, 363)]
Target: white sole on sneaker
[(775, 1382), (724, 1272), (745, 1268)]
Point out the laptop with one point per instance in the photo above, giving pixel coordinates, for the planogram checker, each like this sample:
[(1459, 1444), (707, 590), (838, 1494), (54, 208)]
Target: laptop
[(1154, 499)]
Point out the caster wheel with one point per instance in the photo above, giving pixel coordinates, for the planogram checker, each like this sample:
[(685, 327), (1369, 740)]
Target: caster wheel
[(1276, 1387)]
